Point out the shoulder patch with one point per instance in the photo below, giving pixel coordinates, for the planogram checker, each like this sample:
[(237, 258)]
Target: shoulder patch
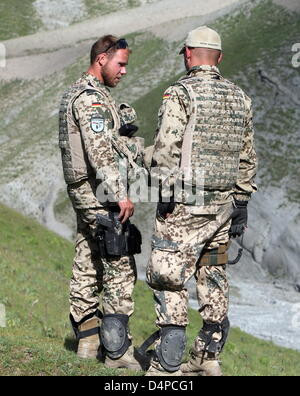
[(97, 123)]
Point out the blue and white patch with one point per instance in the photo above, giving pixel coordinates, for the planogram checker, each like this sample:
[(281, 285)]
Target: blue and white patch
[(97, 124)]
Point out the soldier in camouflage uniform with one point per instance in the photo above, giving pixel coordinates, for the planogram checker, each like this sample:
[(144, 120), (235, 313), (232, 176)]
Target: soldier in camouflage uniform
[(92, 149), (205, 124)]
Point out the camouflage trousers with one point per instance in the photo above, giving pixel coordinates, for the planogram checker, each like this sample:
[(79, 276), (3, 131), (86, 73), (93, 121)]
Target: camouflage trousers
[(91, 275), (176, 248)]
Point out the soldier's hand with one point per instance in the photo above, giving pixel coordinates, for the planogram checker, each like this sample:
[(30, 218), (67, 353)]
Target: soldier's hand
[(239, 219), (126, 210)]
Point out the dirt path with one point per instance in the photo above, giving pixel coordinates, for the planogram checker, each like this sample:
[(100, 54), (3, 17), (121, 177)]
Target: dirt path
[(41, 54)]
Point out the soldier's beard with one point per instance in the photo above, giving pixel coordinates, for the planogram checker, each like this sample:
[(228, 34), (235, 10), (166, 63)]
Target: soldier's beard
[(109, 79)]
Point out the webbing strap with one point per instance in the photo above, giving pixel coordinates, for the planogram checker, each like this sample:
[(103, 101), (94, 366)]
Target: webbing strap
[(214, 257), (87, 333), (149, 341)]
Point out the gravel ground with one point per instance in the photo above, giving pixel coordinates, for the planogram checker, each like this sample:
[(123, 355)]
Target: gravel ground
[(60, 13)]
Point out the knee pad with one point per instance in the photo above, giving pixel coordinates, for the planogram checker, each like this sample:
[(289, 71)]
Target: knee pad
[(172, 346), (206, 334), (114, 335)]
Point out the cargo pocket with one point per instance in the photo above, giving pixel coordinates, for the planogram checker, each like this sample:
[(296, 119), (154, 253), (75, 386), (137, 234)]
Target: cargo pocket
[(164, 271)]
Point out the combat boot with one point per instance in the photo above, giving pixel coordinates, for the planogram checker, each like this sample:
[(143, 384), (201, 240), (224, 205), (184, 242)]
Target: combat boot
[(201, 366), (156, 370), (89, 340), (128, 361)]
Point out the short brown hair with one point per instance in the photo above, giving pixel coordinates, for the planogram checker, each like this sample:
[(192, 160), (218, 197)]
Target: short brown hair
[(101, 46), (108, 44)]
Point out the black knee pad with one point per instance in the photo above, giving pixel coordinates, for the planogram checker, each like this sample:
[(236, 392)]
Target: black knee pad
[(207, 331), (114, 335), (172, 346)]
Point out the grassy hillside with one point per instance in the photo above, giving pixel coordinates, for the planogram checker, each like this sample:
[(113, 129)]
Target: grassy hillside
[(35, 267), (17, 19)]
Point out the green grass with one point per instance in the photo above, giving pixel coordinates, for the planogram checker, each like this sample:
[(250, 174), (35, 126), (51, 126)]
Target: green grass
[(147, 108), (17, 18), (62, 203), (258, 34), (35, 268)]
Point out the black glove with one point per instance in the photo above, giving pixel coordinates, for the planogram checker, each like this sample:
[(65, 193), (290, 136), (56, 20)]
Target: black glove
[(163, 208), (239, 219), (128, 130)]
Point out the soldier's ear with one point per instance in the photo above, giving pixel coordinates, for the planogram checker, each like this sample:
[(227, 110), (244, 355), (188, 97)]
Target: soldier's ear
[(188, 52), (220, 58), (102, 59)]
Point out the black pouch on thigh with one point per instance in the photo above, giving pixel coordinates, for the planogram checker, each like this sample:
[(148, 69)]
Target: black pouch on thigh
[(117, 239)]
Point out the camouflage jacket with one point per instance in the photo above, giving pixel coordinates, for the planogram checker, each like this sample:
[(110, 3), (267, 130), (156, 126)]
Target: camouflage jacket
[(91, 145), (174, 118)]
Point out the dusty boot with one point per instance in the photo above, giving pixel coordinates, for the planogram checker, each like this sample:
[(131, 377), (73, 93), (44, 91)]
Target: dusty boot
[(199, 366), (116, 342), (156, 370), (89, 340), (126, 361), (207, 347)]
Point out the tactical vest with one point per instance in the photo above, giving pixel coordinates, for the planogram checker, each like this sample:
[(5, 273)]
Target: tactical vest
[(76, 166), (214, 135)]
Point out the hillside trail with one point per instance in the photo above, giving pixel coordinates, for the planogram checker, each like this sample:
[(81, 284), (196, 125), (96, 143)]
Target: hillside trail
[(41, 54), (44, 53)]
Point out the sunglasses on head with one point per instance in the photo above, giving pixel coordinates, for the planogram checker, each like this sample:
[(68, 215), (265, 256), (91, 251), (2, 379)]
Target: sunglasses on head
[(120, 44)]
